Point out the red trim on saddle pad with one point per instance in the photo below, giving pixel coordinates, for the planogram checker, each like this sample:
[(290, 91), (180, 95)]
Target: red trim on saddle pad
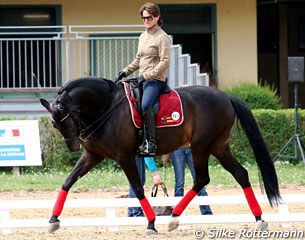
[(170, 112)]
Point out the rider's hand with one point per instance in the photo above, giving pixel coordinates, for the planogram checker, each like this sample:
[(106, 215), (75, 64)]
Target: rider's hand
[(120, 76), (141, 79)]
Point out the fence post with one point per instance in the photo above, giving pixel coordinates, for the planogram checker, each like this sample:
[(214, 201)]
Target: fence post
[(67, 61), (16, 171), (110, 214), (4, 218)]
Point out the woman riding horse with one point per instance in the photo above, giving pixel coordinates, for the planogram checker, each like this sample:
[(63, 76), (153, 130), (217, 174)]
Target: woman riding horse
[(95, 113), (152, 60)]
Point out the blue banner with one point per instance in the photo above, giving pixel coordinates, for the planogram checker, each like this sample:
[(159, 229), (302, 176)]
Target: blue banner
[(12, 152)]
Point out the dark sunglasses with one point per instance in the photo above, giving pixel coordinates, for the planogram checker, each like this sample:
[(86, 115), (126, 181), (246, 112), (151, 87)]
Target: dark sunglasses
[(149, 18)]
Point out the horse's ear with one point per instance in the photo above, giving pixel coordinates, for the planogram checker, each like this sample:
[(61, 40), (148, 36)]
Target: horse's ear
[(46, 104)]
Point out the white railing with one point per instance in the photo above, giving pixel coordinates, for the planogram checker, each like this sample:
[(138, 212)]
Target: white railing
[(33, 30), (112, 221), (38, 57)]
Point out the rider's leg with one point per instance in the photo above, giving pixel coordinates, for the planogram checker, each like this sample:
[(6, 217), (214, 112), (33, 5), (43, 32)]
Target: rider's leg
[(149, 145), (151, 89)]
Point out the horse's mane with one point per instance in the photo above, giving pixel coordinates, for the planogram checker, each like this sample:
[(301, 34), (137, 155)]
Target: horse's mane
[(88, 82)]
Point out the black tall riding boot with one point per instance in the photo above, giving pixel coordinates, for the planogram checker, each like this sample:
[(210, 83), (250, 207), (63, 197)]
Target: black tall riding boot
[(149, 146)]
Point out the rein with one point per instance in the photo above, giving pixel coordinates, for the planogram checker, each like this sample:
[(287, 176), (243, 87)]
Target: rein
[(92, 128)]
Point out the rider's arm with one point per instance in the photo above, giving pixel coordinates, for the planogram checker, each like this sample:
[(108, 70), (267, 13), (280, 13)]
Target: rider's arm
[(152, 167), (151, 164)]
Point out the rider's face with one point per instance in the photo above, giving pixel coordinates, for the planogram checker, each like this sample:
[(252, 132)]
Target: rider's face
[(149, 20)]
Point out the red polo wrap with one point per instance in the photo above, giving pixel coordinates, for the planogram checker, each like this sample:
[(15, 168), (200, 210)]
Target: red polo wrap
[(149, 212), (184, 202), (59, 205), (253, 204)]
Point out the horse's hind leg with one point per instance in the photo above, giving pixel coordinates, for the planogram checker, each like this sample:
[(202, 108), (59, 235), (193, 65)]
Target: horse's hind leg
[(201, 179), (83, 165), (240, 174)]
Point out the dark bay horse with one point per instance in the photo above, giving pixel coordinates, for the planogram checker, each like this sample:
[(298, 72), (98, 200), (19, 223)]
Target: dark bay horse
[(94, 113)]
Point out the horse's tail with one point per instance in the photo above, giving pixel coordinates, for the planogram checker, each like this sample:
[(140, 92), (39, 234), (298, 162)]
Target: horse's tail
[(262, 156)]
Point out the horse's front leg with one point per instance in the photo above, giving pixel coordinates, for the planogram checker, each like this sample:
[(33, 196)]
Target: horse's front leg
[(131, 171), (83, 165)]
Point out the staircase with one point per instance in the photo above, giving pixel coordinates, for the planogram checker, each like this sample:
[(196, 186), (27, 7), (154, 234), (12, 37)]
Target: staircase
[(182, 72)]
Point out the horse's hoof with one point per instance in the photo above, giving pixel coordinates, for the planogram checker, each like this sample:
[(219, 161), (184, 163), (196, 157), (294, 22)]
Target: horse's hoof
[(53, 227), (172, 224), (150, 232), (262, 225)]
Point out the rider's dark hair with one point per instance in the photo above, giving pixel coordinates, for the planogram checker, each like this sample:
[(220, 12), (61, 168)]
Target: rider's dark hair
[(152, 9)]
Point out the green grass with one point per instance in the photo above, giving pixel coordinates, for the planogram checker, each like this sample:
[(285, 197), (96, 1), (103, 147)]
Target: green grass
[(98, 179)]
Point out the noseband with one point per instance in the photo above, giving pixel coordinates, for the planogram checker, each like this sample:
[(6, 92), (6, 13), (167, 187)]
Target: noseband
[(74, 118), (64, 118)]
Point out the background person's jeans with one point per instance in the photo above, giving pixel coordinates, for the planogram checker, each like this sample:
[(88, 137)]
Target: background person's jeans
[(179, 158), (137, 211)]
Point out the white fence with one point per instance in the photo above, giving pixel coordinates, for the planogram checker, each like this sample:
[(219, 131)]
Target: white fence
[(112, 221)]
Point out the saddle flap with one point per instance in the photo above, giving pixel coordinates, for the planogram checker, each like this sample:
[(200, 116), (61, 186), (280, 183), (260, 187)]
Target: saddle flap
[(170, 112)]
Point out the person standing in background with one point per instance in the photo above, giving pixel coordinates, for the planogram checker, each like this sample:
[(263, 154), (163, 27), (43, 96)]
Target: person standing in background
[(180, 158)]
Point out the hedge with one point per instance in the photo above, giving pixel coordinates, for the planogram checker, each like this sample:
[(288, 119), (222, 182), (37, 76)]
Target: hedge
[(277, 126), (256, 96)]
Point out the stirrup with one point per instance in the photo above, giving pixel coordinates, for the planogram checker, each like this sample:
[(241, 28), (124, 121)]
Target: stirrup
[(148, 148)]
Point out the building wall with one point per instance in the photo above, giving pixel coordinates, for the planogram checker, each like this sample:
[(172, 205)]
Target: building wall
[(237, 42), (236, 28)]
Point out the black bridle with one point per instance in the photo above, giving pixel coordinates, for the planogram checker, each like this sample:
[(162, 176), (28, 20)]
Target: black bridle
[(85, 132)]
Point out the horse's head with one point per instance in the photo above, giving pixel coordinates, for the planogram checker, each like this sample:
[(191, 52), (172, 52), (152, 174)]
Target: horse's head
[(79, 107), (206, 69), (64, 120)]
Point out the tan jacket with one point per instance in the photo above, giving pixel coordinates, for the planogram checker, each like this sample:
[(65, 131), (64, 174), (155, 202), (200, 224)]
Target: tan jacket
[(153, 55)]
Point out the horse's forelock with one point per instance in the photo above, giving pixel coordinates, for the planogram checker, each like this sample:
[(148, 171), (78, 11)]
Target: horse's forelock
[(61, 105), (62, 100)]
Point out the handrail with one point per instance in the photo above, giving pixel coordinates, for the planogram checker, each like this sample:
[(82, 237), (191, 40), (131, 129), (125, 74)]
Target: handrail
[(103, 32), (60, 30)]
